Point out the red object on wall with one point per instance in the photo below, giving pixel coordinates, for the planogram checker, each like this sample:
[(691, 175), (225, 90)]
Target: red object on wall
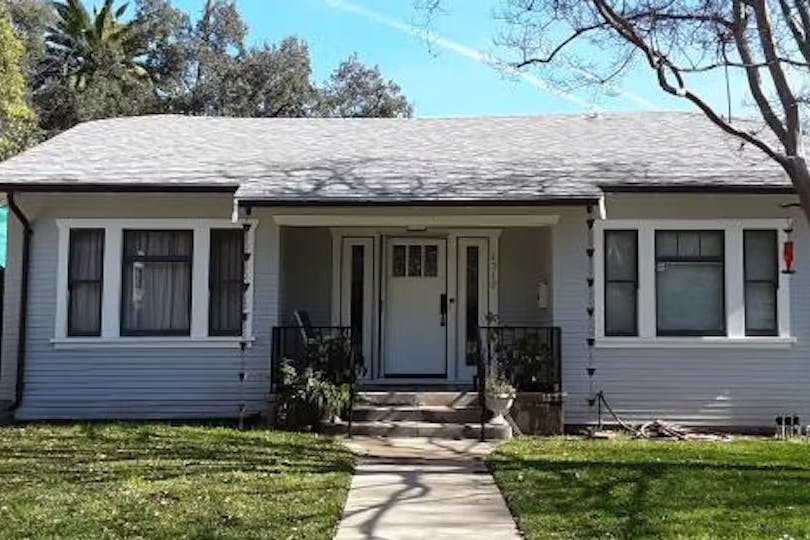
[(788, 256)]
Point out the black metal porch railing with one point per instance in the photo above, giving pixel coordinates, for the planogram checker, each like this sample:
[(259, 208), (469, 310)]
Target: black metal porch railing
[(527, 357), (333, 350)]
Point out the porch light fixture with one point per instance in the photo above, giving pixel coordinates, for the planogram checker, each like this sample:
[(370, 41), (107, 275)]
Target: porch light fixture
[(787, 252), (416, 228)]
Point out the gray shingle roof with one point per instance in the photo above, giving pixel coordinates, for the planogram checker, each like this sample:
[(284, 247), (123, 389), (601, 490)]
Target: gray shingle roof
[(530, 158)]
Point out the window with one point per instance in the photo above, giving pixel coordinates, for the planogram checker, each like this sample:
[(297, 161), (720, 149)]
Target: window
[(472, 305), (357, 292), (226, 282), (85, 282), (690, 283), (415, 260), (156, 292), (621, 283), (711, 282), (761, 271)]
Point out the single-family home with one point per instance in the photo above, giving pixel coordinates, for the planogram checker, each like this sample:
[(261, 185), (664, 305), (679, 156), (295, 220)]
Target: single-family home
[(152, 260)]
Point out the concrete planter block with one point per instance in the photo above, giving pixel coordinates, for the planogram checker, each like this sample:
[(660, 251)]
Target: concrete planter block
[(539, 413)]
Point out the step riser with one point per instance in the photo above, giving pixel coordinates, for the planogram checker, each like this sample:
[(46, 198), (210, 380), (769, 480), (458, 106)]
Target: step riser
[(438, 431), (457, 416), (432, 399)]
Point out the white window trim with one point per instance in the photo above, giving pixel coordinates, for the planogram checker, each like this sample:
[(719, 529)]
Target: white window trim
[(111, 288), (735, 286)]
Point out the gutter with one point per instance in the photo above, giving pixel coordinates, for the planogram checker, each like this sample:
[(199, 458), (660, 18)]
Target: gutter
[(23, 316), (410, 203), (707, 189)]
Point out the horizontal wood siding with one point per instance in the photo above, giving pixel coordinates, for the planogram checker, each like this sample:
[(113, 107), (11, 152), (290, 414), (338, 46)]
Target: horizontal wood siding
[(306, 274), (525, 259), (710, 387), (141, 382)]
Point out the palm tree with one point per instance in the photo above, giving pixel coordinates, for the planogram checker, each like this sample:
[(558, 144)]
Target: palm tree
[(80, 44)]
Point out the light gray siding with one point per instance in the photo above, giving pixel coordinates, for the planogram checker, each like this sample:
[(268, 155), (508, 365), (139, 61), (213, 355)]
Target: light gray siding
[(306, 273), (139, 382), (11, 309), (525, 259), (743, 387)]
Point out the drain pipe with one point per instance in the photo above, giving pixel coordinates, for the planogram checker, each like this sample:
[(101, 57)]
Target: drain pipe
[(23, 316)]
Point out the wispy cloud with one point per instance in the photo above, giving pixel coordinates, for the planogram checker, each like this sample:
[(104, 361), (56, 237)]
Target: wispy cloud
[(460, 49), (485, 59)]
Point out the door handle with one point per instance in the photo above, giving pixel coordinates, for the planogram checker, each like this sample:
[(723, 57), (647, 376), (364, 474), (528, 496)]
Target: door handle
[(443, 309)]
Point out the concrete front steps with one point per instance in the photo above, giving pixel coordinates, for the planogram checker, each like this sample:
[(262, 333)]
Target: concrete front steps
[(416, 413)]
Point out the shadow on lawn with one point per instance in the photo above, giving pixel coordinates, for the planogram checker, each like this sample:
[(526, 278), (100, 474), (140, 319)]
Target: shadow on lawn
[(90, 454), (593, 498)]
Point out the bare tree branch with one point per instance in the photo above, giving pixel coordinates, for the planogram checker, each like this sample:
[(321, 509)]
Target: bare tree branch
[(753, 75), (558, 49), (789, 105), (799, 36)]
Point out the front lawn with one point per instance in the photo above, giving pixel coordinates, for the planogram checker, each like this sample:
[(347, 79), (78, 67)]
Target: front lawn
[(161, 481), (565, 488)]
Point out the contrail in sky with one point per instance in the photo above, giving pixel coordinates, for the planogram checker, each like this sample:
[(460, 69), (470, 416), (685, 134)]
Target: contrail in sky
[(480, 57)]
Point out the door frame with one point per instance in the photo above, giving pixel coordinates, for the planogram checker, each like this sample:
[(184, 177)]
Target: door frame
[(375, 362)]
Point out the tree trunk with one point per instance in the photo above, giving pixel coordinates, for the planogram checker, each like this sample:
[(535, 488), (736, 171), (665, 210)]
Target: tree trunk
[(800, 176)]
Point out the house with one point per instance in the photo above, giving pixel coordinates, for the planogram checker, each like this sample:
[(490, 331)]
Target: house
[(650, 244)]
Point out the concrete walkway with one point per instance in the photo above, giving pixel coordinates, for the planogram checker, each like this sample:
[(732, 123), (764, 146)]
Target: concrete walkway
[(424, 488)]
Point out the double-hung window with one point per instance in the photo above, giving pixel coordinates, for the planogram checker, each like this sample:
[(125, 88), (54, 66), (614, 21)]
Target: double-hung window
[(226, 282), (621, 283), (690, 283), (156, 293), (761, 270), (85, 282)]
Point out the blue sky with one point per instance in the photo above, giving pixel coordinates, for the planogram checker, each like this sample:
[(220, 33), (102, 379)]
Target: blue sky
[(442, 79)]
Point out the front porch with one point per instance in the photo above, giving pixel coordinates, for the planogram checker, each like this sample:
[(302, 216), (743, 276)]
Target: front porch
[(415, 291), (430, 307)]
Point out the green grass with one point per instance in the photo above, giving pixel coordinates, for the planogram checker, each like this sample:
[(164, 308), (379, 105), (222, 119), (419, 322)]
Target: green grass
[(161, 481), (560, 488)]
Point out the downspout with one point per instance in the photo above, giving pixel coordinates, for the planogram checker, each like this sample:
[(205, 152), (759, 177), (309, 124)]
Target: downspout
[(23, 317)]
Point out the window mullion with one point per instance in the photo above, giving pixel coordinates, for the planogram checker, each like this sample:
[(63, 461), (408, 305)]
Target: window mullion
[(646, 282), (199, 281), (735, 283), (111, 290)]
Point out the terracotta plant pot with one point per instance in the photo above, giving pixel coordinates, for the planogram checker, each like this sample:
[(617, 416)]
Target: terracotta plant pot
[(499, 405)]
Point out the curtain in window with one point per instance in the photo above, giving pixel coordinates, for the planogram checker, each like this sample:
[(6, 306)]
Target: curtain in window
[(85, 277), (157, 283), (226, 282), (761, 282), (690, 283)]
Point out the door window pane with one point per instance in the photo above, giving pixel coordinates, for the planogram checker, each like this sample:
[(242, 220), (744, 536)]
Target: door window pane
[(85, 278), (156, 293), (761, 282), (398, 262), (690, 283), (431, 260), (621, 282), (414, 261)]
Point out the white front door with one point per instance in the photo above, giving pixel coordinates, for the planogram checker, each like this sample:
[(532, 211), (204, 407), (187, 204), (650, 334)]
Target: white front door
[(415, 306)]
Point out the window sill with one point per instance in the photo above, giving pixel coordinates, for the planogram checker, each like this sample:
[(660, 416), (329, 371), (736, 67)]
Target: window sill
[(759, 342), (149, 342)]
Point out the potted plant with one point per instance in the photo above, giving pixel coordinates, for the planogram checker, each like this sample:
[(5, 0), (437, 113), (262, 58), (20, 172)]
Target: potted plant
[(499, 395)]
